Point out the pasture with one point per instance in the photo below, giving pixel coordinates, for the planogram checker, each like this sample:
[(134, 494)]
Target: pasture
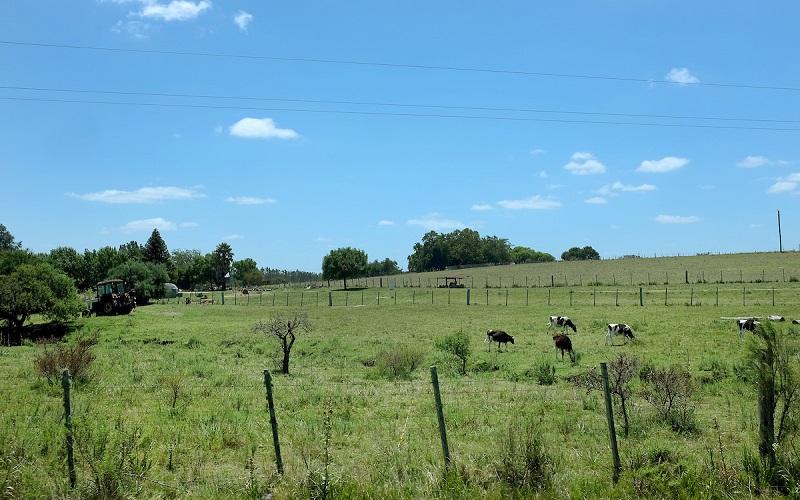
[(176, 405)]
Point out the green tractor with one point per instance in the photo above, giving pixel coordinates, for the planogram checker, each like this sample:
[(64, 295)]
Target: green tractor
[(110, 298)]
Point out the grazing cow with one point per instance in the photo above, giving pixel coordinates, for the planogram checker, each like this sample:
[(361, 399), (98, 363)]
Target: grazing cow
[(619, 329), (749, 324), (776, 318), (565, 344), (245, 292), (796, 321), (562, 322), (500, 337)]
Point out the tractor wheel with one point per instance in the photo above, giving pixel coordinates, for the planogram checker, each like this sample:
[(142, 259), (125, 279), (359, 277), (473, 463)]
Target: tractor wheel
[(108, 308)]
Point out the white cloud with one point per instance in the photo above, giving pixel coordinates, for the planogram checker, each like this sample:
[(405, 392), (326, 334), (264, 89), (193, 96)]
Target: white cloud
[(618, 187), (753, 162), (682, 76), (677, 219), (242, 19), (666, 164), (786, 184), (249, 200), (136, 29), (484, 206), (147, 225), (143, 195), (537, 152), (260, 128), (177, 10), (585, 164), (386, 223), (597, 200), (435, 222), (232, 237), (532, 203)]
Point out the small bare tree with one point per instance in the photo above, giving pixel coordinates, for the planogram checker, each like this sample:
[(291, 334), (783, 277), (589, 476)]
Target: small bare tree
[(620, 373), (284, 329)]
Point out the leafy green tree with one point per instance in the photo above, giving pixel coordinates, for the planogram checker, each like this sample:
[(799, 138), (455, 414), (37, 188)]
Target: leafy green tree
[(387, 267), (70, 262), (457, 345), (146, 279), (246, 270), (102, 261), (344, 263), (35, 287), (7, 240), (465, 247), (223, 258), (432, 254), (459, 248), (132, 251), (585, 253), (525, 255)]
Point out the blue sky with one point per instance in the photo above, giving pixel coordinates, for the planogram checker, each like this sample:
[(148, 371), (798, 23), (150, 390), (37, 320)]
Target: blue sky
[(288, 129)]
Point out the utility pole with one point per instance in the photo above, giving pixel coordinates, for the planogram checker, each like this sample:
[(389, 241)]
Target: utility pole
[(780, 239)]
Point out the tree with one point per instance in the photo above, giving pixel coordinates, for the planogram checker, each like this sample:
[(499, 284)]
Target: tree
[(772, 368), (132, 251), (386, 268), (155, 250), (223, 257), (585, 253), (146, 279), (344, 263), (70, 262), (459, 248), (456, 344), (35, 287), (246, 272), (525, 255), (284, 329), (7, 240), (620, 373)]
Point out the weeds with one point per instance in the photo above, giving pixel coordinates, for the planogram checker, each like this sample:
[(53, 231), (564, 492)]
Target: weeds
[(525, 462), (76, 356)]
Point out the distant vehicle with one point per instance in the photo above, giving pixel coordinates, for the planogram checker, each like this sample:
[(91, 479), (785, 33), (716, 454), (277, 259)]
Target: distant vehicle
[(171, 291), (110, 298)]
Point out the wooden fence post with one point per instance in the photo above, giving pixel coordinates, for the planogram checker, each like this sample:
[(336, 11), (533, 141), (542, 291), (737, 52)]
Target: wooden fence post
[(66, 382), (612, 433), (440, 415), (273, 422)]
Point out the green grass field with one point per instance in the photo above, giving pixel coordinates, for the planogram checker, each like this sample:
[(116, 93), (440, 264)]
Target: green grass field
[(176, 406)]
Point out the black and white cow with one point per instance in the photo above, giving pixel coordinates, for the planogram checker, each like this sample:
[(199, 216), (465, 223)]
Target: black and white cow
[(562, 322), (748, 324), (500, 337), (619, 329), (565, 344)]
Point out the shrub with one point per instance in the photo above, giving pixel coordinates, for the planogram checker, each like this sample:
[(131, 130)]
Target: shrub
[(525, 462), (75, 356), (544, 373), (400, 362), (670, 392)]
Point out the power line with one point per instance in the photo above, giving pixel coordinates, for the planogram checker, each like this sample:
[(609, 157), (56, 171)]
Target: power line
[(398, 65), (398, 105), (412, 115)]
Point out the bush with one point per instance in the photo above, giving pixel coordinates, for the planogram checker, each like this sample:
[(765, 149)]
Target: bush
[(525, 462), (400, 362), (670, 392), (544, 373), (76, 357)]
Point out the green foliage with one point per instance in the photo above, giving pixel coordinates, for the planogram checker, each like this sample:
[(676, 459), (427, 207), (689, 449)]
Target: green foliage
[(145, 278), (223, 258), (459, 248), (457, 345), (35, 288), (525, 255), (399, 362), (525, 463), (585, 253), (543, 372), (155, 250), (7, 240), (386, 268), (344, 264), (76, 356)]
